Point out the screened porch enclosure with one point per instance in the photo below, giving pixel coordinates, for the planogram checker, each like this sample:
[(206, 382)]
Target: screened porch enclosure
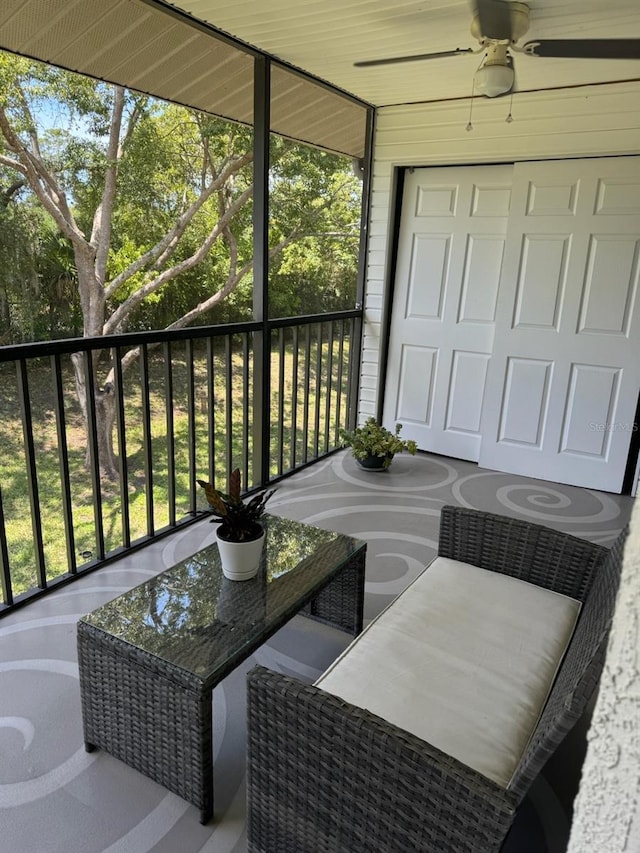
[(88, 475)]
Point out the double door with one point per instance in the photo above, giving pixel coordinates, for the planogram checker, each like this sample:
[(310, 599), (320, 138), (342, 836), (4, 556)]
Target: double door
[(515, 338)]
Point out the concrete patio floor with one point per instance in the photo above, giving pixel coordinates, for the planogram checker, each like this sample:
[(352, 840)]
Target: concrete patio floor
[(56, 797)]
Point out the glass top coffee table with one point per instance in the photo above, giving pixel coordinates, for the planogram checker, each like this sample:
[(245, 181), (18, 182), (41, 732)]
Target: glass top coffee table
[(149, 659)]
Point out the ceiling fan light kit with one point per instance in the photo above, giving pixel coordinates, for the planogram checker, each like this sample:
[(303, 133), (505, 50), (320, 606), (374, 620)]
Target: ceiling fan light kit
[(495, 76), (493, 80)]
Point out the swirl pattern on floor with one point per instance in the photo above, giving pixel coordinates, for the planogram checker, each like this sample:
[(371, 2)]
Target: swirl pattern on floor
[(56, 797)]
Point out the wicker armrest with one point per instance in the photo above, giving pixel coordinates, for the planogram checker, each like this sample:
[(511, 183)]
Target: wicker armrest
[(327, 777), (530, 552)]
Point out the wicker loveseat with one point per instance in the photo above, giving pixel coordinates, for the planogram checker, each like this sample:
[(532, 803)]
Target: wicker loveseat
[(329, 775)]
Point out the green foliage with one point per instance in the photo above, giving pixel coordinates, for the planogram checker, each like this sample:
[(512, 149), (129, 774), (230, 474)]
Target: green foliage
[(165, 161), (38, 297), (18, 272), (372, 439), (240, 520), (315, 195)]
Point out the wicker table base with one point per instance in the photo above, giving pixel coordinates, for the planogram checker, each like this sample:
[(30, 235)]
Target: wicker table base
[(150, 659)]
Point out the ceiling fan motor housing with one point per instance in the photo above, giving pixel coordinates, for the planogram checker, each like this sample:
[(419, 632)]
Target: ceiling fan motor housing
[(519, 13), (497, 54)]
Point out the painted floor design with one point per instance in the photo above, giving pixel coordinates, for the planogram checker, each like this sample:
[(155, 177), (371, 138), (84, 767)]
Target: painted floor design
[(56, 797)]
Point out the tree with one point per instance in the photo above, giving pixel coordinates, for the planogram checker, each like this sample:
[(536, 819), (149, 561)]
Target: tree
[(316, 272), (38, 298), (90, 171), (17, 262)]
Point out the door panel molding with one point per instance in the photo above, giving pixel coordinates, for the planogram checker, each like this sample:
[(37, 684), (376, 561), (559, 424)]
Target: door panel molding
[(450, 252), (572, 301)]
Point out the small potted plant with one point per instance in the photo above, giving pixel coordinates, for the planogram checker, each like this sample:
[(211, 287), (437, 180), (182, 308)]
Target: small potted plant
[(374, 446), (240, 534)]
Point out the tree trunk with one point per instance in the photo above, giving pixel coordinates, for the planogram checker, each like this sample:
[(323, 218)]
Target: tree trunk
[(105, 414)]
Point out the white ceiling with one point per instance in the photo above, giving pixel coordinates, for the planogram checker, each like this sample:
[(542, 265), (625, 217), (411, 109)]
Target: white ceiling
[(325, 37), (149, 46)]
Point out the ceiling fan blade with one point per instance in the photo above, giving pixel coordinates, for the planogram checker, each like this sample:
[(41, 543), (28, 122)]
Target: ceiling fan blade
[(585, 48), (416, 58), (494, 17)]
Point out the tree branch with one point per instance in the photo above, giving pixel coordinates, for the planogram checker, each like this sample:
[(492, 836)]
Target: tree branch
[(114, 323), (43, 184), (135, 116), (47, 177), (12, 164), (101, 231), (8, 194), (165, 247), (233, 280)]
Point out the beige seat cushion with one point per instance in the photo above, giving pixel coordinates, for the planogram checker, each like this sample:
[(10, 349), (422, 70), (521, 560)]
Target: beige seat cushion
[(464, 659)]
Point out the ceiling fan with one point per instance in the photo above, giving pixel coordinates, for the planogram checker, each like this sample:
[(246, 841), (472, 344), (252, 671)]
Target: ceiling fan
[(498, 25)]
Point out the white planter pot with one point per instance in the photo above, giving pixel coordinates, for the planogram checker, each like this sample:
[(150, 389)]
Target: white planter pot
[(240, 560)]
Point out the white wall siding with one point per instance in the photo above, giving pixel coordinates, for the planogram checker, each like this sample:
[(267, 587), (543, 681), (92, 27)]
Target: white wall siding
[(583, 122)]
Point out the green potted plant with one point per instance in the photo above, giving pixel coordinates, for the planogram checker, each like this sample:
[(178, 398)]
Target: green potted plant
[(240, 534), (374, 446)]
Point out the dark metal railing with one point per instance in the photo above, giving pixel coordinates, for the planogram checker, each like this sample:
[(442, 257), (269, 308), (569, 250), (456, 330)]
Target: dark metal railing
[(183, 405)]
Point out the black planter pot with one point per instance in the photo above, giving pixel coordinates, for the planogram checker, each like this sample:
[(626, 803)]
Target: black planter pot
[(375, 463)]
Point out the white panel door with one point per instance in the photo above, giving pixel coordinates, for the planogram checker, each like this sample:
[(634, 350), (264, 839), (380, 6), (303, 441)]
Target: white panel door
[(563, 380), (450, 251)]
